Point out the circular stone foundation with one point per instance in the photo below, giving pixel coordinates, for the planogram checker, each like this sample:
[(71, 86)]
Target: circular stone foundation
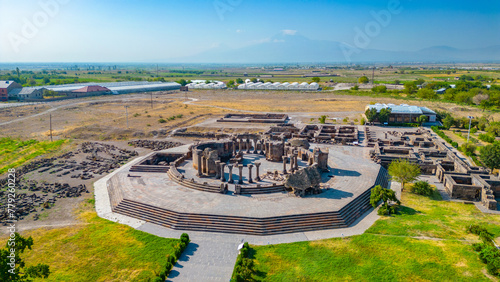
[(156, 198)]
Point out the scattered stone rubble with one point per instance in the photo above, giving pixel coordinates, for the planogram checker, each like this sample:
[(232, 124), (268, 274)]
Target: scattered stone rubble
[(33, 196), (154, 145)]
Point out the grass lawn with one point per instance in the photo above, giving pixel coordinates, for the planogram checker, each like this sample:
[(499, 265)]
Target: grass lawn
[(426, 241), (98, 250), (16, 152)]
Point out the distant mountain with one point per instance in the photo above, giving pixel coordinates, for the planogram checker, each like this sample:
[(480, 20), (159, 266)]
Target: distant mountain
[(288, 48)]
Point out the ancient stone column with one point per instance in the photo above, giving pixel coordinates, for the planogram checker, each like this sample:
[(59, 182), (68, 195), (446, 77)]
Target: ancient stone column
[(257, 165), (206, 169), (199, 152), (222, 174), (240, 180), (249, 144), (217, 169), (230, 166), (284, 164), (296, 162), (292, 166), (250, 180), (240, 142), (234, 148)]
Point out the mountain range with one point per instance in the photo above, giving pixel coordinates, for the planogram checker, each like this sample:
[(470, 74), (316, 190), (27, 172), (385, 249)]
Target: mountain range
[(295, 48)]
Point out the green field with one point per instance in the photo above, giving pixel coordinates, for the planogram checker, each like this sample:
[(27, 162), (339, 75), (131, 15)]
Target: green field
[(98, 250), (426, 241), (16, 152)]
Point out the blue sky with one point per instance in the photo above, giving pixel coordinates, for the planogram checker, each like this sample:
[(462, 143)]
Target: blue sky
[(147, 30)]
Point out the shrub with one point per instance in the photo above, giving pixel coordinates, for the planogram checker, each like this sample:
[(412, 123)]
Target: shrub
[(137, 115), (468, 149), (422, 188), (185, 238), (244, 266), (363, 121), (162, 120)]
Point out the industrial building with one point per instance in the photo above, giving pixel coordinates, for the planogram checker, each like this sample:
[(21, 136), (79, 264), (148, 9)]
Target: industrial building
[(201, 84), (125, 87), (404, 113), (278, 86)]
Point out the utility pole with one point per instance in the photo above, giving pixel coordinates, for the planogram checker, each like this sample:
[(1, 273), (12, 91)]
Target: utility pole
[(156, 70), (470, 122), (50, 126), (126, 112), (151, 100), (373, 75)]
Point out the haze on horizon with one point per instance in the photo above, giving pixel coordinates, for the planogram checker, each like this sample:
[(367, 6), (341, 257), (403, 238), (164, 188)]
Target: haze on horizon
[(173, 31)]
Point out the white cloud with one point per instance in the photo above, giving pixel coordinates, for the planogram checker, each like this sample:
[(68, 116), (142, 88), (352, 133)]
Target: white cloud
[(239, 31), (289, 32)]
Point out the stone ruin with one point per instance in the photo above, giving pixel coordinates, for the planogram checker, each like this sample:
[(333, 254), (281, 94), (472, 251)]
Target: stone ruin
[(461, 180), (91, 159), (317, 133), (255, 118), (212, 159)]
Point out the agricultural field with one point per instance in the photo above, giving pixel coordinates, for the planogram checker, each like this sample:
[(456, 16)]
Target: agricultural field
[(425, 241)]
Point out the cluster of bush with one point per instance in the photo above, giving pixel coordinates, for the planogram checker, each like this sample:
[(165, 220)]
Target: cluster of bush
[(179, 248), (488, 253), (162, 120), (422, 188), (487, 137), (441, 134), (244, 267), (404, 124)]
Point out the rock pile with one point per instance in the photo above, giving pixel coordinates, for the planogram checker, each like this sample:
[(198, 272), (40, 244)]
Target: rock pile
[(154, 145)]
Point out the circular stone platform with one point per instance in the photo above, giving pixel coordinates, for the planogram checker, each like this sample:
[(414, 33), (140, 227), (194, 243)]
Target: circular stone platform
[(154, 197)]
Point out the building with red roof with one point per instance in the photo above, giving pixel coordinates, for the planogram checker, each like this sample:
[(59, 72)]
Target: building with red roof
[(90, 90)]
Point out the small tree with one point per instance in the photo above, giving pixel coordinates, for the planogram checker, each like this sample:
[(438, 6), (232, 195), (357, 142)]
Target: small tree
[(410, 87), (182, 82), (254, 80), (403, 171), (239, 80), (448, 122), (422, 119), (21, 272), (371, 114), (322, 119), (383, 115), (490, 155), (363, 79), (387, 196), (316, 79)]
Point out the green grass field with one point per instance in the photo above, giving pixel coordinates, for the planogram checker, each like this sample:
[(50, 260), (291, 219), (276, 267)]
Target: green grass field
[(16, 152), (426, 241), (98, 250)]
